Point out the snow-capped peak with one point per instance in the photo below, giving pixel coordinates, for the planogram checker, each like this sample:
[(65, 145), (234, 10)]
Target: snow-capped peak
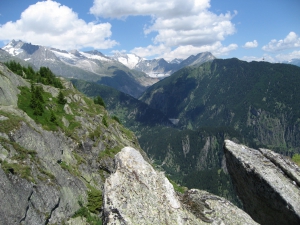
[(14, 47), (129, 60)]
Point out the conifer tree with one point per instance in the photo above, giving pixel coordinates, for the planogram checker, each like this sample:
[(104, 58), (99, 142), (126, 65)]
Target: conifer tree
[(36, 100), (98, 100), (52, 117), (61, 98)]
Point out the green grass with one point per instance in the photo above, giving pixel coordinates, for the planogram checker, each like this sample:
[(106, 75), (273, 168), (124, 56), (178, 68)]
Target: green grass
[(51, 107), (178, 188), (93, 206), (17, 168), (11, 123), (84, 212), (71, 169), (296, 159), (109, 152), (78, 158), (94, 200)]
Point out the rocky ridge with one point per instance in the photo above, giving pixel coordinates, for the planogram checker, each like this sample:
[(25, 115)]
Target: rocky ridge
[(48, 176), (137, 194), (266, 182)]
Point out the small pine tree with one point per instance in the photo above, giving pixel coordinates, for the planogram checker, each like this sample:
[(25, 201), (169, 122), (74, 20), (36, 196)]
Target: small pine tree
[(61, 98), (38, 110), (116, 119), (52, 117), (104, 122), (36, 100), (98, 100)]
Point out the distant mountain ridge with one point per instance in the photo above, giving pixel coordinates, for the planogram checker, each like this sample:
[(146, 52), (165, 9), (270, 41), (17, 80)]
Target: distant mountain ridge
[(159, 68), (128, 73), (90, 66), (295, 62), (257, 99)]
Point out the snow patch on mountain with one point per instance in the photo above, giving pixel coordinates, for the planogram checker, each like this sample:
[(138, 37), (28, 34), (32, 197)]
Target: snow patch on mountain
[(12, 49), (176, 61), (129, 60), (92, 56), (62, 55)]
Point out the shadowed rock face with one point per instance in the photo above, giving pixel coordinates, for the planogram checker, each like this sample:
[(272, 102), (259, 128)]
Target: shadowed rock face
[(137, 194), (266, 182)]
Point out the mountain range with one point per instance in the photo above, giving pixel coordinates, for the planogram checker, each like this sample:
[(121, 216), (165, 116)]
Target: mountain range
[(160, 68), (254, 103), (125, 72), (181, 122)]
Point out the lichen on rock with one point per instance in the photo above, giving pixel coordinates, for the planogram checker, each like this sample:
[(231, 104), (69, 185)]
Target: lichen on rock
[(137, 194)]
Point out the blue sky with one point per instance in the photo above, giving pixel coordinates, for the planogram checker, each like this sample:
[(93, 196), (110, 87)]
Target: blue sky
[(249, 30)]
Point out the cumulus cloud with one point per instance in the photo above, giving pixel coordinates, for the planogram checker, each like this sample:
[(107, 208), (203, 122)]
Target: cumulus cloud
[(292, 40), (279, 58), (177, 24), (157, 8), (288, 56), (51, 24), (151, 50), (161, 51), (251, 44)]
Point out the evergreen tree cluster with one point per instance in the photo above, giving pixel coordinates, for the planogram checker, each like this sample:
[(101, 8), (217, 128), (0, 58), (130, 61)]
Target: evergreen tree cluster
[(36, 101), (44, 75), (98, 100), (61, 98)]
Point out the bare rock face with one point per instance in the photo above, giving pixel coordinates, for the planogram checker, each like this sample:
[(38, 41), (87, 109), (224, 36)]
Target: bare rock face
[(137, 194), (9, 83), (266, 182)]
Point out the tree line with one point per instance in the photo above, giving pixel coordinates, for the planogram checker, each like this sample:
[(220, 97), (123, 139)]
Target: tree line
[(44, 75)]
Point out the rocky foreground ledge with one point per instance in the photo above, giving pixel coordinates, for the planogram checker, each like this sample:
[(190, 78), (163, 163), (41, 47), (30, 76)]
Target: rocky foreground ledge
[(137, 194), (266, 182)]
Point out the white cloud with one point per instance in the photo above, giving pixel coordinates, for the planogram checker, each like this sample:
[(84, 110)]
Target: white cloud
[(183, 52), (51, 24), (157, 8), (274, 58), (151, 50), (292, 40), (178, 24), (265, 57), (288, 56), (251, 44)]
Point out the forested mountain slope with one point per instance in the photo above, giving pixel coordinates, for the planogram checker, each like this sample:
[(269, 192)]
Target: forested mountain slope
[(259, 100)]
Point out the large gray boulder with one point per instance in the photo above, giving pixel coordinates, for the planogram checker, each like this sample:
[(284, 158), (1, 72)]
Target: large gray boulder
[(266, 182), (137, 194)]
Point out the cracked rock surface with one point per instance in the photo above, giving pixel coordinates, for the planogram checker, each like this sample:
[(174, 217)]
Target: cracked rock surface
[(266, 182), (137, 194)]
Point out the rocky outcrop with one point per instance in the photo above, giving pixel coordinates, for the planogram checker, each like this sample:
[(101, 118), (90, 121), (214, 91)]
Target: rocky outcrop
[(137, 194), (9, 83), (47, 175), (266, 182)]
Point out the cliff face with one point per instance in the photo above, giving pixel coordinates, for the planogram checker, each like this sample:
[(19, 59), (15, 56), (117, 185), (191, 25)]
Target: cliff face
[(266, 182), (53, 176), (137, 194)]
